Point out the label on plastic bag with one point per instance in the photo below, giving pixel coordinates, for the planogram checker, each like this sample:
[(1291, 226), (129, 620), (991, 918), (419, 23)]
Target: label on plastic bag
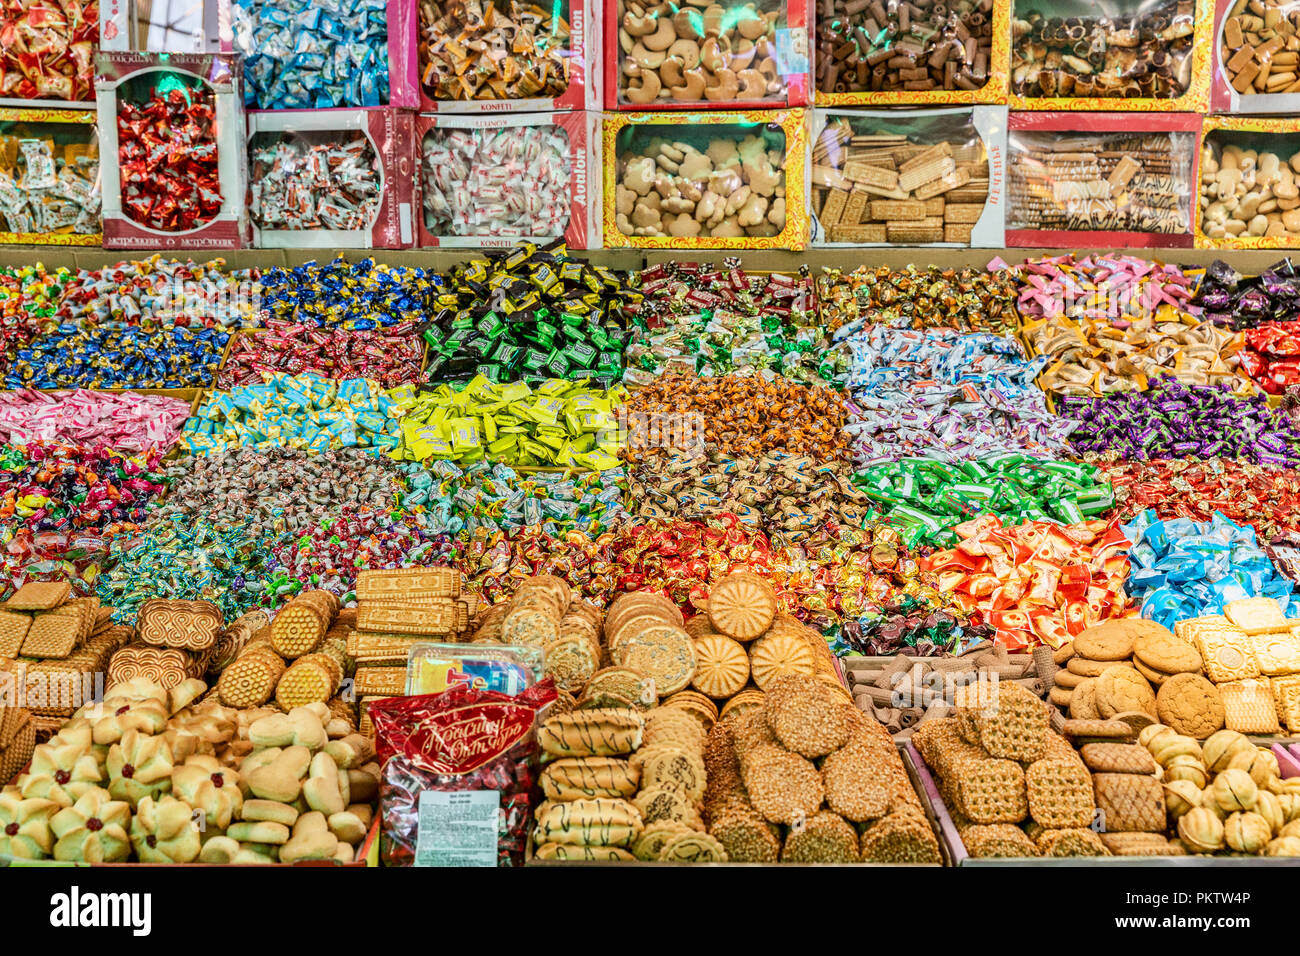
[(458, 828), (791, 51)]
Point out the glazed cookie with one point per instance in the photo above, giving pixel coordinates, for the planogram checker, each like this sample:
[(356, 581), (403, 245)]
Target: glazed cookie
[(1122, 688), (1191, 705)]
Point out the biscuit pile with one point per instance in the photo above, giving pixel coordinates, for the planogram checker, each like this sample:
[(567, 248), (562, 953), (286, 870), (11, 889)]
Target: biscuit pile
[(174, 641), (804, 777), (56, 647), (157, 776), (1224, 796), (1015, 787)]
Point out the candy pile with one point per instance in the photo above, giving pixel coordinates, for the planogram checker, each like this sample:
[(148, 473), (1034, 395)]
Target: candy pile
[(1183, 569), (301, 56), (167, 149), (1227, 297), (56, 58), (118, 357), (528, 314), (697, 319), (469, 67), (940, 393), (1173, 420), (51, 486), (28, 297), (558, 423), (777, 493), (1035, 583), (1272, 355), (297, 411), (926, 499), (390, 357), (340, 294), (49, 187), (313, 181), (738, 415), (125, 421), (160, 293), (497, 182), (966, 299), (1267, 498)]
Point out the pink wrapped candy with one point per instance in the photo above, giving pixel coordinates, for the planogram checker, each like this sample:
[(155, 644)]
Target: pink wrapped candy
[(125, 421)]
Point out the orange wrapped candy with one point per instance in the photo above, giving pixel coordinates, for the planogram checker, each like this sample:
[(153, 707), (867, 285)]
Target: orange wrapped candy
[(1035, 583)]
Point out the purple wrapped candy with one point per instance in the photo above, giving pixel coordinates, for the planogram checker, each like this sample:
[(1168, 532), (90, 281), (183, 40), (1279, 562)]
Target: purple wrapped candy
[(1227, 297), (1173, 420)]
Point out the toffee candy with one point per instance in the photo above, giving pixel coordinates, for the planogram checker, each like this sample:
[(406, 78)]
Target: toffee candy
[(49, 183), (390, 356), (972, 300), (314, 181)]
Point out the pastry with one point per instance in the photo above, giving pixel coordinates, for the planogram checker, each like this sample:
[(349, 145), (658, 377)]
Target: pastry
[(592, 733), (163, 831), (600, 822), (92, 830), (574, 778)]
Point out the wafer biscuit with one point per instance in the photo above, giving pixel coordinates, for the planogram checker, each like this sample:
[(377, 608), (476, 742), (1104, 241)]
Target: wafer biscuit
[(1249, 707), (39, 596), (51, 635)]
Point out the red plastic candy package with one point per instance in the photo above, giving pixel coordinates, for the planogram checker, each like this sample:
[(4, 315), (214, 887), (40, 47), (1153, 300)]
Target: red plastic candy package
[(461, 740)]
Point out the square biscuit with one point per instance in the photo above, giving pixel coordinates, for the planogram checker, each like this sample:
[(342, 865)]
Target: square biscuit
[(1286, 697), (1249, 707), (1059, 793), (1226, 652), (1257, 615), (1130, 802), (13, 628), (1277, 652), (39, 596)]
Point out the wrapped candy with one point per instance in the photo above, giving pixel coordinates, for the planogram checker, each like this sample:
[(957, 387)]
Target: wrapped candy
[(1035, 583), (340, 294), (51, 53), (1267, 498), (1227, 297), (695, 318), (926, 499), (968, 299), (168, 151), (558, 423), (528, 314), (117, 357), (1272, 355), (297, 411), (76, 557), (126, 421), (1183, 569), (1173, 420), (49, 177), (161, 293), (29, 298), (391, 356)]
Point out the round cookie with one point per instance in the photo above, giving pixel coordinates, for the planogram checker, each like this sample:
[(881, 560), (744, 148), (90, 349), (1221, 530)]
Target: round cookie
[(1191, 705), (1068, 679), (1060, 696), (1083, 701), (1122, 688), (1155, 677), (1110, 640), (1086, 667), (1166, 653)]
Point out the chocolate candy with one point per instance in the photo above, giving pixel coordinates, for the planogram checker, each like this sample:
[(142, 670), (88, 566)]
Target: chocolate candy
[(737, 415), (520, 51), (51, 54), (390, 357), (125, 421), (298, 411), (557, 423), (529, 315), (167, 150), (28, 297), (967, 299), (164, 292), (1147, 55), (790, 494), (299, 55), (512, 181), (341, 294), (131, 357), (49, 179), (909, 626), (1227, 297), (872, 45), (314, 180), (1184, 569), (1272, 356), (925, 499), (1172, 420), (695, 318)]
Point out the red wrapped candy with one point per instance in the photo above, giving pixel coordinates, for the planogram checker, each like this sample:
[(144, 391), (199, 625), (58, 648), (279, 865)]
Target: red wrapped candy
[(1272, 355), (47, 49)]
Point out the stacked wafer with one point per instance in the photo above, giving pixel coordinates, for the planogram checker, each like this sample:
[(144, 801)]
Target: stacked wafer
[(17, 740), (57, 647), (887, 188), (397, 608)]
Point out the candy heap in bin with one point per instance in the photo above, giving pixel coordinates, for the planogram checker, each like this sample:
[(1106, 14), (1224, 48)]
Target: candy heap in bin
[(872, 562)]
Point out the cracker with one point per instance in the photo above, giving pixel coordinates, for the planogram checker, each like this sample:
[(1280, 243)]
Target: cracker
[(13, 628), (51, 635), (39, 596), (1249, 707)]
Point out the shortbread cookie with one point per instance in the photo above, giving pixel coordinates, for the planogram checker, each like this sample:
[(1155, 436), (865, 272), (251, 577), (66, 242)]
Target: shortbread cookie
[(742, 605)]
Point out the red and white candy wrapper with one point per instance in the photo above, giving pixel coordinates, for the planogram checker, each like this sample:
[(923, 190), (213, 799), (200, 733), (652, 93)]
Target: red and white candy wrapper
[(331, 178), (488, 181), (124, 421), (469, 62), (172, 145), (909, 177), (1102, 179), (732, 55), (47, 52)]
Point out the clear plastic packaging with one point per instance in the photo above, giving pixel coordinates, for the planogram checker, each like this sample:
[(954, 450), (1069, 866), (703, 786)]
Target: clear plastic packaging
[(719, 55), (908, 177), (49, 177), (1250, 183), (1122, 50), (716, 180), (1256, 57), (1100, 178), (506, 669)]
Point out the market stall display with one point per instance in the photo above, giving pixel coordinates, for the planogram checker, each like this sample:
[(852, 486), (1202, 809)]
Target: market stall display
[(1248, 191)]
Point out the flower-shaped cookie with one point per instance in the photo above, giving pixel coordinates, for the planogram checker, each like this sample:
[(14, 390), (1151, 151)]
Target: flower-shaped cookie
[(116, 718), (139, 766), (72, 768), (80, 733), (92, 830), (25, 827), (206, 785), (164, 831)]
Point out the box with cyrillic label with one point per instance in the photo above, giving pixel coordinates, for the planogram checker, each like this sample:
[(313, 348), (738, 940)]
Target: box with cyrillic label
[(49, 177), (909, 177)]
